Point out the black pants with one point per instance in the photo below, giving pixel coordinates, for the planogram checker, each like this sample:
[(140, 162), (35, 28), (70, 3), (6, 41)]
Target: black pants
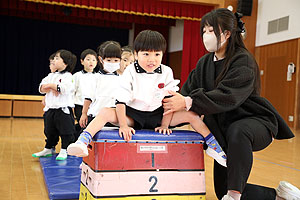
[(58, 124), (242, 137), (78, 112)]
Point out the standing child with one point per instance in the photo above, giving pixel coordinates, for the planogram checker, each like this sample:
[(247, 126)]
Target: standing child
[(85, 81), (103, 95), (127, 58), (143, 86), (58, 116)]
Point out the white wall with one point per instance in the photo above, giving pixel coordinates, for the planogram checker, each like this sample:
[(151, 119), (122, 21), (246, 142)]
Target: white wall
[(176, 37), (269, 10)]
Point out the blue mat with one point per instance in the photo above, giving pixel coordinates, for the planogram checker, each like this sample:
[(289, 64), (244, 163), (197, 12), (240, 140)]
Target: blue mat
[(62, 178)]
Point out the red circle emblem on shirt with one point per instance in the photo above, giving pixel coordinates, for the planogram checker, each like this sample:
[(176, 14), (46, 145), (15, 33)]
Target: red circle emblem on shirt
[(161, 85)]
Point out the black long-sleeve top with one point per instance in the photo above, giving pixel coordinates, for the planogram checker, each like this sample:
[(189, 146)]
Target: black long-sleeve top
[(233, 98)]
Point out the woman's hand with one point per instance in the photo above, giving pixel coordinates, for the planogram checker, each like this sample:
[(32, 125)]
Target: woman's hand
[(174, 103), (127, 132)]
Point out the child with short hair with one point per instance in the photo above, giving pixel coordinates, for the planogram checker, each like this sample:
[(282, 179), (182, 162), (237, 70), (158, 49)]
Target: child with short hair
[(85, 82), (127, 58), (58, 117), (143, 86), (103, 95)]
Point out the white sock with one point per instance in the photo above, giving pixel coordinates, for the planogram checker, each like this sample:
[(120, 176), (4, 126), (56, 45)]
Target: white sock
[(234, 195), (44, 152)]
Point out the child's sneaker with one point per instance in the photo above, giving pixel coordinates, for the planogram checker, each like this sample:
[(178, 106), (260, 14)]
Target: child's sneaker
[(78, 149), (44, 153), (62, 155), (219, 156), (287, 191), (214, 150)]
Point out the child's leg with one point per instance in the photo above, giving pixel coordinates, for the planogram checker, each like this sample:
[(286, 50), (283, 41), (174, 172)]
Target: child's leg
[(79, 148), (214, 149), (50, 133), (66, 130)]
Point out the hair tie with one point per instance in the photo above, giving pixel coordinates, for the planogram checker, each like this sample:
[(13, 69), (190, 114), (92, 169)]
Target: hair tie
[(240, 23)]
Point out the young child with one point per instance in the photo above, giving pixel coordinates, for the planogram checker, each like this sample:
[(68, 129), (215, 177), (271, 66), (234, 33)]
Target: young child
[(58, 117), (84, 82), (103, 95), (143, 86), (127, 58)]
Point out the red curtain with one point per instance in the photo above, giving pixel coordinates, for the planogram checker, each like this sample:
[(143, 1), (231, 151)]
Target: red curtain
[(77, 15), (156, 8), (192, 49)]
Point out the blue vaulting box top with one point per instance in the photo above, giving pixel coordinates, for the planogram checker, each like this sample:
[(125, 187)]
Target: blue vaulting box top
[(177, 136)]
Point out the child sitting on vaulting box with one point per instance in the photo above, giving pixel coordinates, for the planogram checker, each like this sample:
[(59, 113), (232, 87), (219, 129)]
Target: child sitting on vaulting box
[(143, 86)]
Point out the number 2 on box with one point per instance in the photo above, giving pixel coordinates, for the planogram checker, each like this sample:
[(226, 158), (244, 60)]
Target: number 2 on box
[(154, 184)]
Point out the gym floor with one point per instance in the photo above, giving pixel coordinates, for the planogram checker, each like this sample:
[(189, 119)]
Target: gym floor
[(21, 176)]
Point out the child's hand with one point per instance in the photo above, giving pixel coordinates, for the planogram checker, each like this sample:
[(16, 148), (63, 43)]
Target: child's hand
[(55, 93), (83, 120), (127, 132), (163, 129)]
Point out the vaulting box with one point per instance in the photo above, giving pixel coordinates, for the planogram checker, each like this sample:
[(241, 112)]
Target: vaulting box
[(150, 166)]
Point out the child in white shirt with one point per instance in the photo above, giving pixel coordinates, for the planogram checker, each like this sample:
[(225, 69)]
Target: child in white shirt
[(143, 86), (103, 95), (127, 58), (85, 82), (58, 117)]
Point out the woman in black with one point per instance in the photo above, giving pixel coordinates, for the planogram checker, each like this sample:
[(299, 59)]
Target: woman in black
[(225, 88)]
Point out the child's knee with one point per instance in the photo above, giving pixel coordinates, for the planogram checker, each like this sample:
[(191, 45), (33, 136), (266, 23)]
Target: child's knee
[(107, 114), (193, 117)]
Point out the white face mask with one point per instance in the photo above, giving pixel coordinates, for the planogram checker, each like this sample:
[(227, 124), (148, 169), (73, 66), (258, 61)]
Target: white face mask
[(111, 67), (211, 43)]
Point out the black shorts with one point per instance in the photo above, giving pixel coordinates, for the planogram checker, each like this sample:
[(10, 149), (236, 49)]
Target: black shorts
[(145, 119)]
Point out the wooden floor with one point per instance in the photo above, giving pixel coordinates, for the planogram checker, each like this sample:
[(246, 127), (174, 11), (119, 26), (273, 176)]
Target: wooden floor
[(21, 176)]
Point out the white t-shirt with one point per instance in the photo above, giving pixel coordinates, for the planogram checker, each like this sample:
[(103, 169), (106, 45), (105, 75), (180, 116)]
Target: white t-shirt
[(67, 87), (145, 91), (85, 84), (105, 93)]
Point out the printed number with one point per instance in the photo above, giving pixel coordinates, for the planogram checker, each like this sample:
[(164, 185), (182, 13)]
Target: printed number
[(154, 184)]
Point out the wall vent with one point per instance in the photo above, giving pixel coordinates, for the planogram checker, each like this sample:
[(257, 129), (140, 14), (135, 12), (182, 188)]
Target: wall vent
[(278, 25)]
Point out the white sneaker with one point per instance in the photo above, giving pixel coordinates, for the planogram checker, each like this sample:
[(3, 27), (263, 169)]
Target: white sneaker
[(62, 155), (219, 157), (78, 149), (227, 197), (287, 191), (44, 153)]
